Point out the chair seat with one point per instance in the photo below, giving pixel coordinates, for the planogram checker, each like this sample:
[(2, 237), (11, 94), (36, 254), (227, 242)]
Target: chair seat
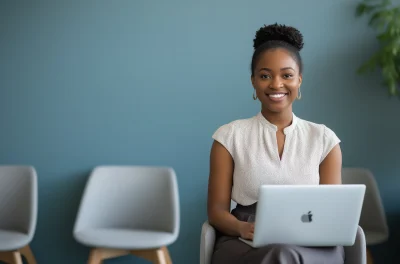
[(374, 238), (13, 240), (124, 238)]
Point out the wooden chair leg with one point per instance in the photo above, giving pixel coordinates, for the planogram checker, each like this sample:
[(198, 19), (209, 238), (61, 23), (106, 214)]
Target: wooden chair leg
[(167, 256), (11, 257), (369, 257), (16, 257), (27, 253), (97, 255), (156, 256), (161, 258)]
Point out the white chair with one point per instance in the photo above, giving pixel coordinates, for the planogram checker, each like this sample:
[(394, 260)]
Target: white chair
[(129, 210), (355, 254), (373, 218), (18, 213)]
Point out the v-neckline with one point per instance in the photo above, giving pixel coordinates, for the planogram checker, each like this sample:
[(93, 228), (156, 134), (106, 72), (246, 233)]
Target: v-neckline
[(284, 150), (274, 129)]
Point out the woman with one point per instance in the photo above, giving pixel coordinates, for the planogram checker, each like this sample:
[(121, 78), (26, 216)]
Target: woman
[(273, 147)]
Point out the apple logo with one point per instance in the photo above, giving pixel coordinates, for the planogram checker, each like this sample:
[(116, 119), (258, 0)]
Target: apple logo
[(307, 218)]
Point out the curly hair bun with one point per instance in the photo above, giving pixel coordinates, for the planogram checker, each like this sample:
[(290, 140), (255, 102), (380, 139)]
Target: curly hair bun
[(277, 32)]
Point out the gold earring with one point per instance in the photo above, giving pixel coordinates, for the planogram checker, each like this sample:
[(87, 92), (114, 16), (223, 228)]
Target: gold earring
[(254, 95), (299, 95)]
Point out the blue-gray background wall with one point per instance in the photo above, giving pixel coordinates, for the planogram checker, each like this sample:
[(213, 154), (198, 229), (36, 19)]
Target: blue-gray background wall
[(87, 83)]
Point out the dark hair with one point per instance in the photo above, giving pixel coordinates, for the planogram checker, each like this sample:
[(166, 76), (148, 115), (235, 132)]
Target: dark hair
[(277, 36)]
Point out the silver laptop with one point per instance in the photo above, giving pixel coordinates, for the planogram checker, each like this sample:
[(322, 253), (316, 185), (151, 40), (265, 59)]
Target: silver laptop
[(308, 215)]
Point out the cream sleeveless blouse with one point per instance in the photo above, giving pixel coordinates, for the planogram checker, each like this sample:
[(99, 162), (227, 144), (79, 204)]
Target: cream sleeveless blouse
[(252, 144)]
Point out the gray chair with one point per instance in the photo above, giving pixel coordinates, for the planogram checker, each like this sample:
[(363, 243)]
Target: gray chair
[(355, 254), (373, 218), (129, 210), (18, 213)]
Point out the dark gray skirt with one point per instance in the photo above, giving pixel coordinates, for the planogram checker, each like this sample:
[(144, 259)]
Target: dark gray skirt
[(230, 250)]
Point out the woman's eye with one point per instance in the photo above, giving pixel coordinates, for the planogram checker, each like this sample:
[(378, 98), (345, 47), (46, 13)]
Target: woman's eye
[(287, 76), (265, 76)]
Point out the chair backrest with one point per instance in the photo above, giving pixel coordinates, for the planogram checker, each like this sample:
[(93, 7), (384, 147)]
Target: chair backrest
[(18, 199), (130, 197), (373, 216)]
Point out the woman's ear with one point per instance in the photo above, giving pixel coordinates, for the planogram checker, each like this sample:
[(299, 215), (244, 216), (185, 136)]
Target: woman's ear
[(252, 80), (300, 79)]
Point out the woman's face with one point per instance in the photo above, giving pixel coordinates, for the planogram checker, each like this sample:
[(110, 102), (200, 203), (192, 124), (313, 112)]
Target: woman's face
[(276, 80)]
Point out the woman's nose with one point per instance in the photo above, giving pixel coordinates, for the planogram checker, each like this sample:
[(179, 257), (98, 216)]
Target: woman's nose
[(276, 83)]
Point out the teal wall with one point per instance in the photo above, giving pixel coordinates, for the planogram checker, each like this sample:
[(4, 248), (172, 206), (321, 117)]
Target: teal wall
[(148, 82)]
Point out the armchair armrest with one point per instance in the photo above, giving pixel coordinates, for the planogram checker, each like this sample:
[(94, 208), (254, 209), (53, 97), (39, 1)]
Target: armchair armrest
[(357, 254), (207, 243)]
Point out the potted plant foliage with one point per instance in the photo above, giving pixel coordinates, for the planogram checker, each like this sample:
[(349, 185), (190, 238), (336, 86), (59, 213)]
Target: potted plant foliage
[(385, 19)]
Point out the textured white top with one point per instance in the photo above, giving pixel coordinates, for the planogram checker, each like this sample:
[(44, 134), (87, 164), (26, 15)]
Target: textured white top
[(253, 146)]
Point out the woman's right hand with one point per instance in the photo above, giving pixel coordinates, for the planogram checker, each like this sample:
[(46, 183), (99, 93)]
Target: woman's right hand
[(246, 230)]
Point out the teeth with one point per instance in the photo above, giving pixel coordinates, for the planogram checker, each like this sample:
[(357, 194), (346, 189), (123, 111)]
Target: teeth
[(277, 95)]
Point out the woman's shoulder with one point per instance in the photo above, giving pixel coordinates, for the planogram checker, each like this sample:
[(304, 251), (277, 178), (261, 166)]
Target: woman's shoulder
[(313, 126), (315, 130), (237, 125), (232, 132), (320, 135)]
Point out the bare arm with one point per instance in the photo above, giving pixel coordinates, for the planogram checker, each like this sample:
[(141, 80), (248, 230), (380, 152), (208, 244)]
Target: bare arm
[(219, 193), (330, 169)]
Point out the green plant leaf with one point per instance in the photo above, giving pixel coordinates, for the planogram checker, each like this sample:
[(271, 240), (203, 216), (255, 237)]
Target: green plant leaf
[(383, 37), (370, 65), (360, 10), (363, 8), (380, 19)]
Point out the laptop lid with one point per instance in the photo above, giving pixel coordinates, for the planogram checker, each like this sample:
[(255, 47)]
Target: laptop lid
[(308, 215)]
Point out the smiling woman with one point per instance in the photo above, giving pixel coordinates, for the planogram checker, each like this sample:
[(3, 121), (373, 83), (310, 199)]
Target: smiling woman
[(272, 147)]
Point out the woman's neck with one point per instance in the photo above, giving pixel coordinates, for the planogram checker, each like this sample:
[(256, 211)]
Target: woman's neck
[(281, 119)]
